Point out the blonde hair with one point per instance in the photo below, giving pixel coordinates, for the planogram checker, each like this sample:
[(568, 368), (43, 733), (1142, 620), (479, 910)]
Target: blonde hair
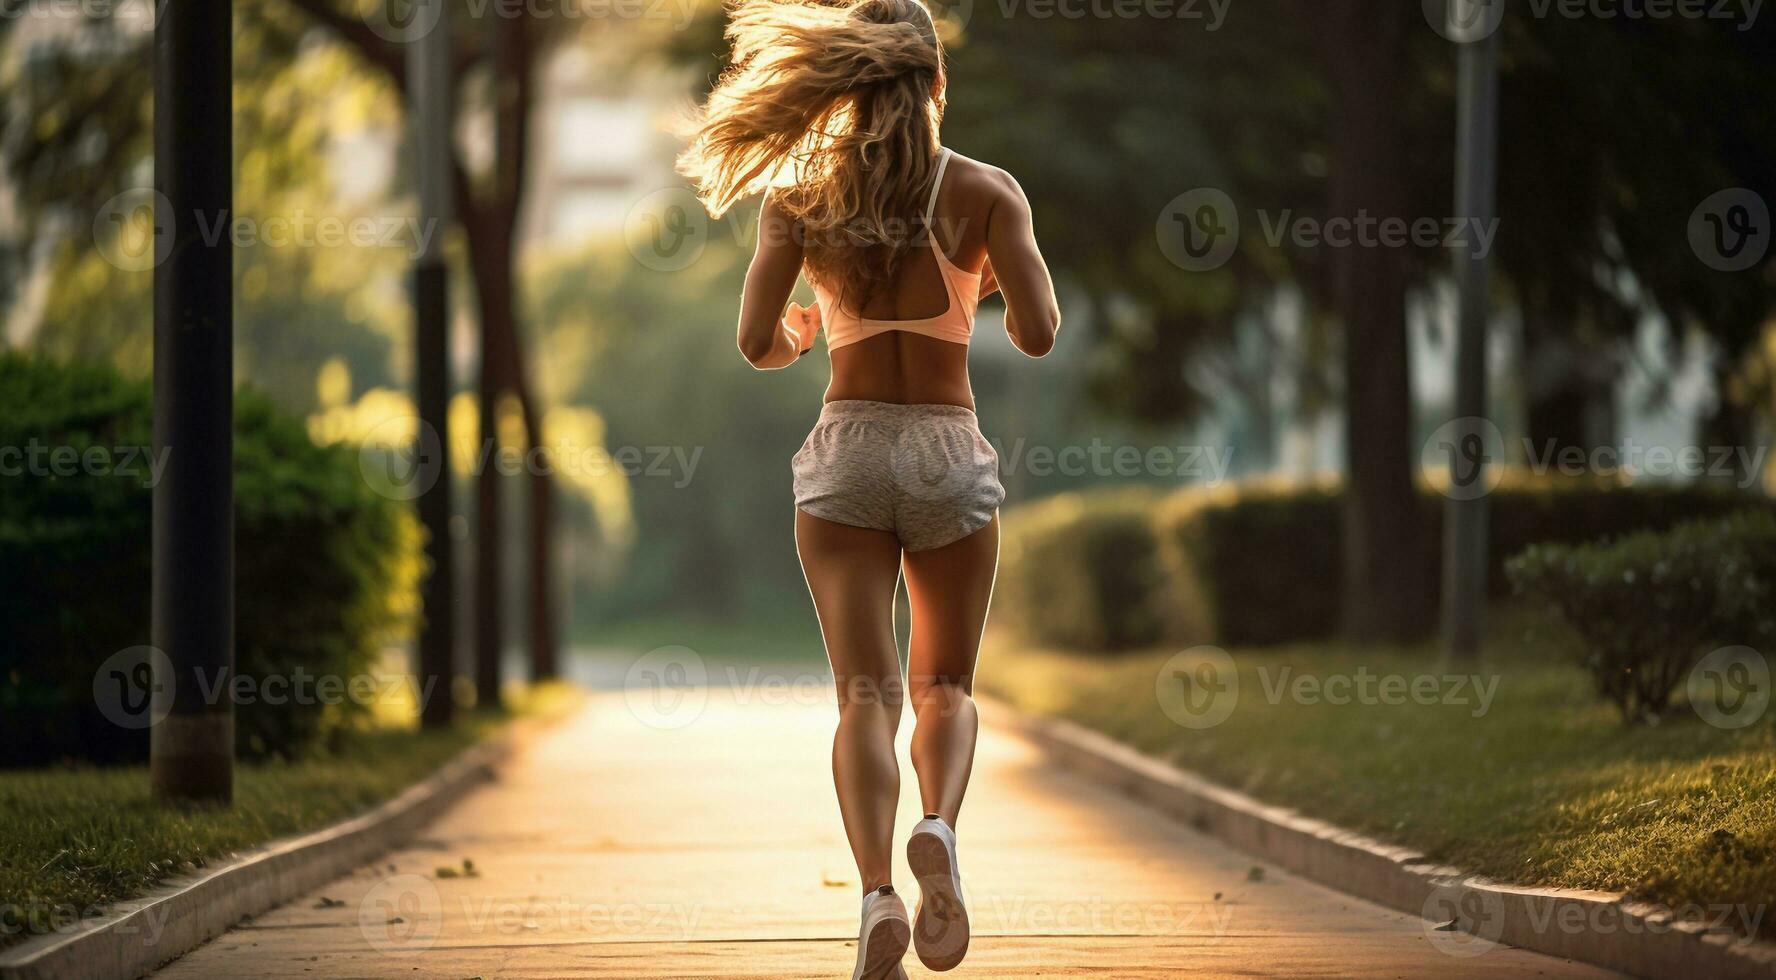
[(836, 109)]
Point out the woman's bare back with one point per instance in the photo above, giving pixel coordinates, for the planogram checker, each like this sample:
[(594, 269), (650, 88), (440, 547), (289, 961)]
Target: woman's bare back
[(913, 369)]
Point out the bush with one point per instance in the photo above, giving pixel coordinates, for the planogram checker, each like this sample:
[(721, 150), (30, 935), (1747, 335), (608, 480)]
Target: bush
[(1262, 558), (1269, 556), (1646, 606), (1261, 562), (1082, 572), (325, 569)]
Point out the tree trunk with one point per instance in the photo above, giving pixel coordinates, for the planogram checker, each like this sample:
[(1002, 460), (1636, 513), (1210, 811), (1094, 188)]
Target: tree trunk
[(514, 96), (1387, 593), (492, 238), (542, 513), (490, 259), (542, 593)]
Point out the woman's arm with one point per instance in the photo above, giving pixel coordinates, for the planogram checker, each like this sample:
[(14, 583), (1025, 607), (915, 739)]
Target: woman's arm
[(768, 338), (1032, 316)]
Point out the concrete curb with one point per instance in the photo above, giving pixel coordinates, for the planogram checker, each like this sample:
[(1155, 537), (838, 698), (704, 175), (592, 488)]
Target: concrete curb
[(143, 934), (1602, 928)]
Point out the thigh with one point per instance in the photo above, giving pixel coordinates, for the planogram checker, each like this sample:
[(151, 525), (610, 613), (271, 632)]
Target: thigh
[(852, 573), (950, 588)]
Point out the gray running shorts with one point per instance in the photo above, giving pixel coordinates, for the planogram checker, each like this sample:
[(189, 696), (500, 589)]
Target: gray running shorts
[(923, 472)]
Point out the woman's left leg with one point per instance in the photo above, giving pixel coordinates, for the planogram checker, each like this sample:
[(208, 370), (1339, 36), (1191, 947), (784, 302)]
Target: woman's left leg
[(852, 573), (950, 588)]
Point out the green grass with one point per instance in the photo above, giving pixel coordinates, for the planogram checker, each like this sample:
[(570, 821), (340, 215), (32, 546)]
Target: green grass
[(77, 839), (1545, 787)]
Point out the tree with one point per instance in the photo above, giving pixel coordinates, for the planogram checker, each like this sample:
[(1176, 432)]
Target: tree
[(501, 56), (1612, 131), (86, 108)]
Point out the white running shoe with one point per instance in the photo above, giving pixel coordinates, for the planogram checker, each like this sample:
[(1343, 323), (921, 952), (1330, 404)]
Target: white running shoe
[(940, 929), (883, 939)]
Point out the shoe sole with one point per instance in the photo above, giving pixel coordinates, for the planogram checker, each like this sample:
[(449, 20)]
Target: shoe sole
[(940, 931), (888, 942)]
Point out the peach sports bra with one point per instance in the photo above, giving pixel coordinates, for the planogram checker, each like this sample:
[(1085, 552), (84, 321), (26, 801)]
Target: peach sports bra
[(955, 324)]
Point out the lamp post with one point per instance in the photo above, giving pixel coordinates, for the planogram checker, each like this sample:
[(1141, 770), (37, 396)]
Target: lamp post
[(1473, 25), (191, 746), (428, 87)]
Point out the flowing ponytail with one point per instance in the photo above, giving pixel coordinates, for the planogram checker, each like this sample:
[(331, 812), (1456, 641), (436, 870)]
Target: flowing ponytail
[(836, 109)]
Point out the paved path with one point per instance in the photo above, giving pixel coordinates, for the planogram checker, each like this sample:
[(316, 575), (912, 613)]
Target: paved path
[(612, 848)]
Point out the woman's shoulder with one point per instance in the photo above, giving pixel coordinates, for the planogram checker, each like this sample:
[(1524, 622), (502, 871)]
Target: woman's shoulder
[(981, 182)]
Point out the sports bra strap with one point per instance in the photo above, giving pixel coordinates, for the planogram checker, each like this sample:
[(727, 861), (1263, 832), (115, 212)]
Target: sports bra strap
[(943, 160)]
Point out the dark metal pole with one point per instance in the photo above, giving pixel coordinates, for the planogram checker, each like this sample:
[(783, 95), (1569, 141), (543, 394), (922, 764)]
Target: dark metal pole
[(191, 754), (428, 85), (1465, 519)]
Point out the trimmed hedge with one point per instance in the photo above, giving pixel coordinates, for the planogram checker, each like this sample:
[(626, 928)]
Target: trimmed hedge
[(1260, 562), (1082, 571), (1647, 606), (326, 570)]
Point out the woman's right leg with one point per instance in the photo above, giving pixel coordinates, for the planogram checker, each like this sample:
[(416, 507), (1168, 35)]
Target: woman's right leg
[(852, 573)]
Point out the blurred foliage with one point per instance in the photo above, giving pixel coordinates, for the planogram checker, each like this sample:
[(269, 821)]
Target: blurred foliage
[(1611, 132), (1648, 606), (78, 108), (326, 570), (653, 353), (1258, 561), (1082, 571)]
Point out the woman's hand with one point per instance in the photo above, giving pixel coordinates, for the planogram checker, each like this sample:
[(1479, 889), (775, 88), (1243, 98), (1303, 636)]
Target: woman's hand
[(803, 324)]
